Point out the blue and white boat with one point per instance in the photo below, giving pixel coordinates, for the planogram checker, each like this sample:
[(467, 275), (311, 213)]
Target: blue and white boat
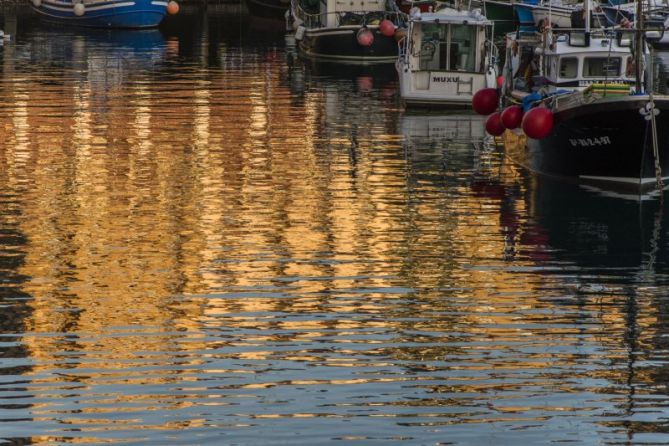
[(105, 13)]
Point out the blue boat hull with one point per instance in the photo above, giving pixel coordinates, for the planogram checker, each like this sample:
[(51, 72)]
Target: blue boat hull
[(104, 13)]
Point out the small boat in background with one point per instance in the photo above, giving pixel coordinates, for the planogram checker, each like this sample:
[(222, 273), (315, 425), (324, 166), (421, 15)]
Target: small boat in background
[(446, 57), (105, 13), (356, 31)]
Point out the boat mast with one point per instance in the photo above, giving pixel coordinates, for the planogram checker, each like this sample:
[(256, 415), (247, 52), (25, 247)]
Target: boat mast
[(638, 46)]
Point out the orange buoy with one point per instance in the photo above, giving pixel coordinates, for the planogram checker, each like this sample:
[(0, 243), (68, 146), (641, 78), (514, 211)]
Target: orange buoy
[(494, 125), (538, 123), (365, 37), (512, 116), (172, 7), (485, 101)]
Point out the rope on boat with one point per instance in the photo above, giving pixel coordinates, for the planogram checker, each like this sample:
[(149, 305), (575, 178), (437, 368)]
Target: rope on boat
[(649, 113), (656, 150)]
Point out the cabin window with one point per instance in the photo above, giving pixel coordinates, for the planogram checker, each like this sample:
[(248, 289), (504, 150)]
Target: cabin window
[(448, 47), (568, 67), (463, 48), (601, 67), (434, 37)]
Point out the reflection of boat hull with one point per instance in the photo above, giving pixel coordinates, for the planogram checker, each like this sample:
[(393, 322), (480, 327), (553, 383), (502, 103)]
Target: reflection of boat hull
[(270, 9), (464, 127), (607, 142), (341, 44), (599, 230), (104, 14)]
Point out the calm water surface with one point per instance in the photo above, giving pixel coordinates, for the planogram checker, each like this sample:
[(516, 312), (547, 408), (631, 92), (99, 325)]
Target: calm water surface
[(205, 240)]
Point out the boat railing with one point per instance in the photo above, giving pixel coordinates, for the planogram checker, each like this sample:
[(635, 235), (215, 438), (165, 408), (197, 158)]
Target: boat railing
[(402, 50), (347, 18), (578, 37)]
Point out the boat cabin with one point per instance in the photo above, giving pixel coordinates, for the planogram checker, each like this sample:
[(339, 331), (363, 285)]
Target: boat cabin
[(571, 60), (446, 54), (335, 13)]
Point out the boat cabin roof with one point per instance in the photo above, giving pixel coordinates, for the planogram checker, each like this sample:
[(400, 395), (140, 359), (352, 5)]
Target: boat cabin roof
[(452, 16), (567, 45)]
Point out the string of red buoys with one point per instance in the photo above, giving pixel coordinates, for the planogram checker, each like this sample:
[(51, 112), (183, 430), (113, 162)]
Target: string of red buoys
[(387, 28), (536, 123), (365, 36)]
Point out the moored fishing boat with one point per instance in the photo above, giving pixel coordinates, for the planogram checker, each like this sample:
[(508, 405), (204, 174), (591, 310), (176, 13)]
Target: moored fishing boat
[(356, 31), (446, 56), (580, 105), (106, 13)]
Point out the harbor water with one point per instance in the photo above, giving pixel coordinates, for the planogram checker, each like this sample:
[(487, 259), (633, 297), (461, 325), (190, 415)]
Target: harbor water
[(207, 240)]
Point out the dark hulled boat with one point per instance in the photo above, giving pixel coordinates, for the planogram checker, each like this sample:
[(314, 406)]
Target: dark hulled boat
[(606, 143), (348, 32), (597, 123)]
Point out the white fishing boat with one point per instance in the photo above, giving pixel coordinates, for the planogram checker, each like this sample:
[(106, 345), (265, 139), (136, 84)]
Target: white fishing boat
[(446, 56)]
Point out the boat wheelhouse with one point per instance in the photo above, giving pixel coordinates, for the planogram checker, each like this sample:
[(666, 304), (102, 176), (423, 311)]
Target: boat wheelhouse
[(446, 57), (573, 60)]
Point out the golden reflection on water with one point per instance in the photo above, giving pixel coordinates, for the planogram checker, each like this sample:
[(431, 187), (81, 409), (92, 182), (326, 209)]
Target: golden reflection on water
[(178, 225)]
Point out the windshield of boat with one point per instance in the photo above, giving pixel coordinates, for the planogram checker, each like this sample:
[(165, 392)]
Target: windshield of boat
[(448, 47)]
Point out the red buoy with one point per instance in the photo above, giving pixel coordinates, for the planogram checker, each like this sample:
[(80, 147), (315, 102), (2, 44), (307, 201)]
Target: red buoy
[(365, 37), (387, 28), (538, 122), (500, 81), (512, 116), (485, 101), (494, 125)]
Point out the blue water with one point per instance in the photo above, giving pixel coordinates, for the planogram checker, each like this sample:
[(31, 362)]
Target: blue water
[(206, 240)]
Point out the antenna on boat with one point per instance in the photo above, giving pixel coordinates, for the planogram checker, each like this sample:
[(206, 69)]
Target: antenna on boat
[(638, 46)]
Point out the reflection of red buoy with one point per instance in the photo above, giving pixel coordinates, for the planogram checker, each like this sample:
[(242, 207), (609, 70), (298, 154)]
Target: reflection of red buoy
[(494, 125), (485, 101), (365, 37), (365, 83), (500, 81), (387, 28), (172, 7), (512, 116), (538, 122)]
